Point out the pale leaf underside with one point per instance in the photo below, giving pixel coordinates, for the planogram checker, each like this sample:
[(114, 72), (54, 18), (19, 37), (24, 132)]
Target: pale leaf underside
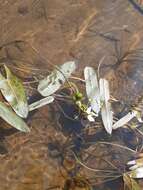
[(124, 120), (92, 88), (13, 91), (106, 113), (10, 117), (137, 173), (41, 103), (56, 79)]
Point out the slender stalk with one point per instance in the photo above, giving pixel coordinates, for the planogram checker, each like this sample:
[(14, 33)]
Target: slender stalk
[(91, 169), (118, 145)]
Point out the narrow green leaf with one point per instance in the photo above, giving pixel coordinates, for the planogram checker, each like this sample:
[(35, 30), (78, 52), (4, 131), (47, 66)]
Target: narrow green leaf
[(10, 117), (92, 88), (41, 103), (130, 182), (135, 185), (127, 181), (13, 91), (106, 113), (53, 82)]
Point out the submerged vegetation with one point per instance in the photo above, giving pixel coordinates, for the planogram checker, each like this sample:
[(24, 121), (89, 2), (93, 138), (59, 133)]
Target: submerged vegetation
[(93, 104)]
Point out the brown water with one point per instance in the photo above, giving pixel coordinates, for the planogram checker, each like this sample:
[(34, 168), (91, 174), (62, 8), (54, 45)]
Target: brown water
[(62, 30)]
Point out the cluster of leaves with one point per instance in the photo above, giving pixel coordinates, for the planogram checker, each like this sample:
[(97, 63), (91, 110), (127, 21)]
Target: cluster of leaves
[(16, 106), (13, 91), (99, 106), (136, 167), (97, 91), (98, 94)]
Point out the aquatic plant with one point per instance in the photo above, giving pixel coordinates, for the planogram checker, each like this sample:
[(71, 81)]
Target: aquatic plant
[(95, 103)]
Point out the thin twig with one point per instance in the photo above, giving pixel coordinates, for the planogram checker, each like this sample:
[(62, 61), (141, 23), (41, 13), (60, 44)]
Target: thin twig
[(91, 169), (84, 26)]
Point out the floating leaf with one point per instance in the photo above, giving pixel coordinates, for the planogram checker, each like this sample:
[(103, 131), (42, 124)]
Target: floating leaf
[(13, 91), (137, 173), (92, 88), (106, 113), (41, 103), (136, 167), (130, 182), (124, 120), (135, 163), (10, 117), (53, 82)]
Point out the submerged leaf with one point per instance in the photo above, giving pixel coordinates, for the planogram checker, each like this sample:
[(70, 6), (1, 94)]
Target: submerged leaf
[(41, 103), (13, 91), (106, 113), (10, 117), (92, 88), (135, 163), (124, 120), (53, 82)]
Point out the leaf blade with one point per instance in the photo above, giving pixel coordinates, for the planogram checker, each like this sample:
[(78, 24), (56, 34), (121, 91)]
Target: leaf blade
[(92, 88), (41, 103), (106, 113), (53, 82), (13, 91), (10, 117), (124, 120)]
